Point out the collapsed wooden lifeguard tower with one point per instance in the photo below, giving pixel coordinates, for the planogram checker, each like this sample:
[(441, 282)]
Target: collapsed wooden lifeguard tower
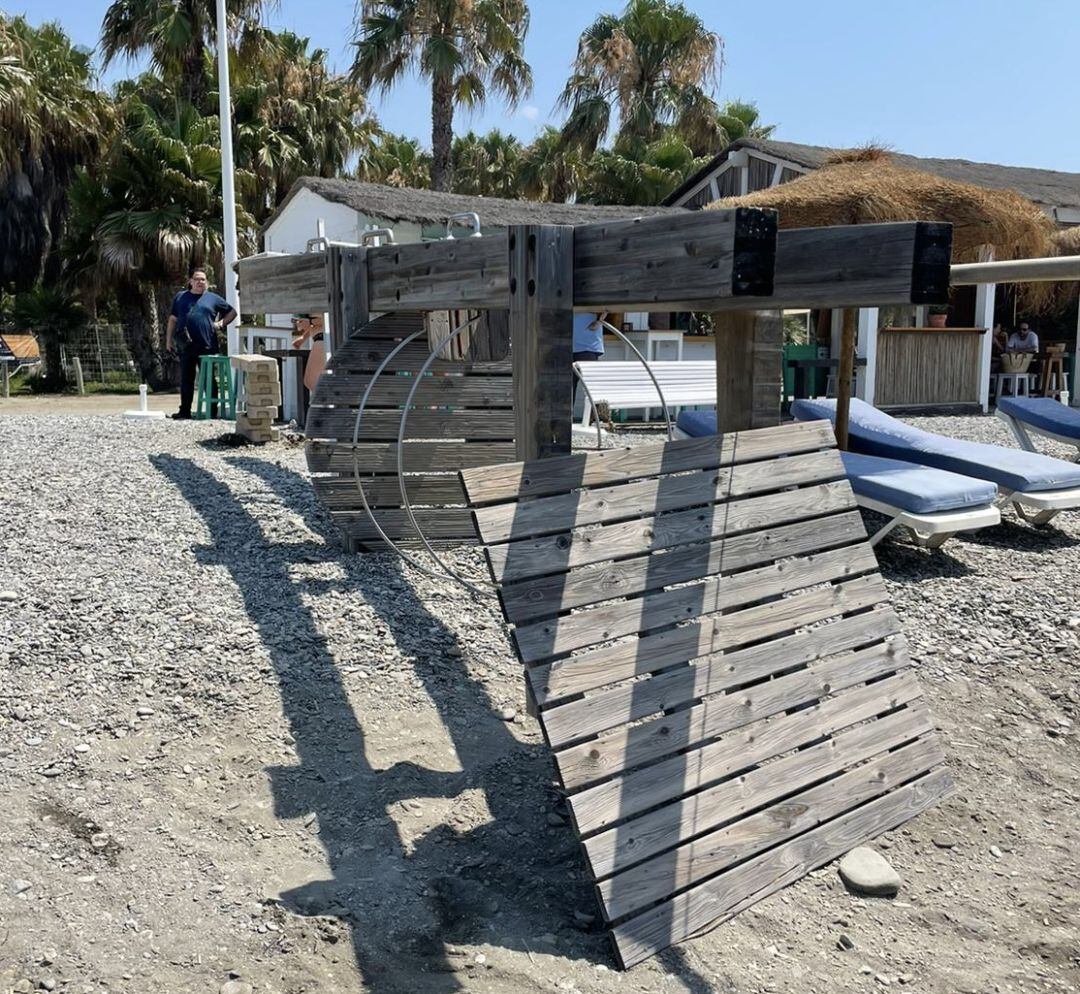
[(708, 646)]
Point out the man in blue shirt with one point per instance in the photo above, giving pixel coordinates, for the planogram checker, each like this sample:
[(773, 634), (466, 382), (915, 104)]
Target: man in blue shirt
[(196, 317), (588, 337)]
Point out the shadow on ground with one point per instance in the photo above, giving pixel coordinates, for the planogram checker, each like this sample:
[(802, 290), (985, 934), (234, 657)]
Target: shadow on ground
[(504, 882)]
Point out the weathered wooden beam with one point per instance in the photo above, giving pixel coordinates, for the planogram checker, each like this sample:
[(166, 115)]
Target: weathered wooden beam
[(674, 261), (749, 369), (541, 273), (862, 264), (844, 376), (285, 284), (442, 275), (352, 278)]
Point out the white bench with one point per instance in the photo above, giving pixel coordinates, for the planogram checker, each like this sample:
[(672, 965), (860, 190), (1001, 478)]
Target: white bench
[(627, 386)]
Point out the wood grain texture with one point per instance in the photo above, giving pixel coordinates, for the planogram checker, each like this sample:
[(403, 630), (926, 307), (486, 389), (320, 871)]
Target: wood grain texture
[(919, 369), (715, 667), (340, 493), (551, 554), (284, 284), (520, 480), (543, 596), (541, 271), (564, 512), (725, 895), (391, 390), (383, 424), (381, 457)]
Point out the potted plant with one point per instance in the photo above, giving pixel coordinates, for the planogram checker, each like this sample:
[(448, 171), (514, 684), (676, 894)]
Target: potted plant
[(939, 314)]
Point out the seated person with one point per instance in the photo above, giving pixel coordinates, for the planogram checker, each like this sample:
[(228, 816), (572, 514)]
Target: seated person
[(1024, 340), (311, 327)]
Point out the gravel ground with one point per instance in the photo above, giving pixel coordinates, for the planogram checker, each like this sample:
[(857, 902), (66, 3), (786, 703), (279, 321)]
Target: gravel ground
[(233, 758)]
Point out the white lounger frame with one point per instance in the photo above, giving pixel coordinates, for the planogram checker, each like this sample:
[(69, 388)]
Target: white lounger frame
[(1037, 507), (933, 530), (1024, 429)]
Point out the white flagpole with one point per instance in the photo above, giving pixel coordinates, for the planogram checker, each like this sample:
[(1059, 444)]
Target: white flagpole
[(228, 187)]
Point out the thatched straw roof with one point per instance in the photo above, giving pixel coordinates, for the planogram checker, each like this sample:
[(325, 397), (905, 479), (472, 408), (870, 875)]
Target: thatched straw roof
[(395, 204), (867, 186), (1067, 241)]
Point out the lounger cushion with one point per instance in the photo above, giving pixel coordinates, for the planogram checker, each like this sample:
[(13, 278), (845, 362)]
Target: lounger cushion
[(697, 424), (910, 487), (1045, 413), (875, 433)]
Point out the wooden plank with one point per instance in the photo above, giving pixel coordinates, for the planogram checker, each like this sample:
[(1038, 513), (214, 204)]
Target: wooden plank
[(390, 389), (556, 475), (353, 282), (723, 896), (383, 424), (440, 275), (642, 885), (856, 265), (638, 263), (544, 596), (712, 672), (541, 273), (381, 457), (490, 339), (555, 553), (340, 492), (563, 512), (623, 748), (657, 609), (633, 794), (447, 522), (284, 284)]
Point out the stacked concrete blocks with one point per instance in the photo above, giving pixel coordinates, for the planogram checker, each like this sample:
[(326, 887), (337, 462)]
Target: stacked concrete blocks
[(260, 399)]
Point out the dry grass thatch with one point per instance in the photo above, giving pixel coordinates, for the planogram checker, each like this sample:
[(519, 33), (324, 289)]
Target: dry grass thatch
[(865, 186), (1067, 241)]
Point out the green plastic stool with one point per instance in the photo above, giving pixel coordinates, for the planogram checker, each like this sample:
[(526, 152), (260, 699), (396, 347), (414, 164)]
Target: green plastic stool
[(211, 368)]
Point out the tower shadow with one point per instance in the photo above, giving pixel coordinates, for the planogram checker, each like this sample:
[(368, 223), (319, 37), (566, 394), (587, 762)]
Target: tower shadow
[(501, 876)]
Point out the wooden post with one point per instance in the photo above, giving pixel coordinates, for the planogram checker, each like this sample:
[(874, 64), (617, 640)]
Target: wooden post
[(352, 278), (541, 271), (843, 376), (749, 371), (6, 376), (77, 363)]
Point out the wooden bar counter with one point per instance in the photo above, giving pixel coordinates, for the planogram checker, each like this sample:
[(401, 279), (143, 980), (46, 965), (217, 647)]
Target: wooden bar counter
[(928, 367)]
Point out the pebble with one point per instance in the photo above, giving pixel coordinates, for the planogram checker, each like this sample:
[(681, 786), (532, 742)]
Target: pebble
[(507, 714), (99, 840), (82, 747), (866, 871), (945, 841), (845, 942), (8, 595), (555, 819), (235, 987), (144, 712), (995, 852), (19, 886)]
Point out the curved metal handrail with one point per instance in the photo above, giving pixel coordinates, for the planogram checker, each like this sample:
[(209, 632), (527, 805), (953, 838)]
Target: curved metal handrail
[(478, 591), (652, 376), (356, 458)]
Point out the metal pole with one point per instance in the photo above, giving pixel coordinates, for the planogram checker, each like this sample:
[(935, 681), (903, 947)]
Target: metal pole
[(228, 188)]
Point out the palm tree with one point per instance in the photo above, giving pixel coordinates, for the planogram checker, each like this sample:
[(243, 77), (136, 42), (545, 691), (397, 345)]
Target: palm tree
[(645, 176), (177, 34), (151, 211), (742, 119), (486, 165), (52, 120), (396, 160), (293, 117), (655, 65), (464, 47), (551, 169)]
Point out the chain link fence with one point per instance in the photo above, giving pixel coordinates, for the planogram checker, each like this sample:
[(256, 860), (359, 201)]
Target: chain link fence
[(106, 362)]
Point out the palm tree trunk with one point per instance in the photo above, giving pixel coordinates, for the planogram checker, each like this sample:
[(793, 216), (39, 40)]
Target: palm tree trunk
[(140, 332), (193, 77), (442, 132)]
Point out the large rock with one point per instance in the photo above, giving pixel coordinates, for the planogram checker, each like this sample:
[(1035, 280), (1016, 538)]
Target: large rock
[(866, 871)]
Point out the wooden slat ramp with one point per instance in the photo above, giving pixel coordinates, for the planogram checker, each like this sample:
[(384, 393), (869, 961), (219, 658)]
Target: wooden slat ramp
[(462, 417), (715, 665)]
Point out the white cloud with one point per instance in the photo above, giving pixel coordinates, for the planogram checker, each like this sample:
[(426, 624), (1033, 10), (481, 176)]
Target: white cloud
[(530, 113)]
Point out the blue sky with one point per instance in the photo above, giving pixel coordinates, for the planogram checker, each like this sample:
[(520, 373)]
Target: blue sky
[(989, 80)]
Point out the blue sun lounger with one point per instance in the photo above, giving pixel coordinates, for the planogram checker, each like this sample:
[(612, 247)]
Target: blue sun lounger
[(1028, 416), (1037, 486), (933, 504)]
